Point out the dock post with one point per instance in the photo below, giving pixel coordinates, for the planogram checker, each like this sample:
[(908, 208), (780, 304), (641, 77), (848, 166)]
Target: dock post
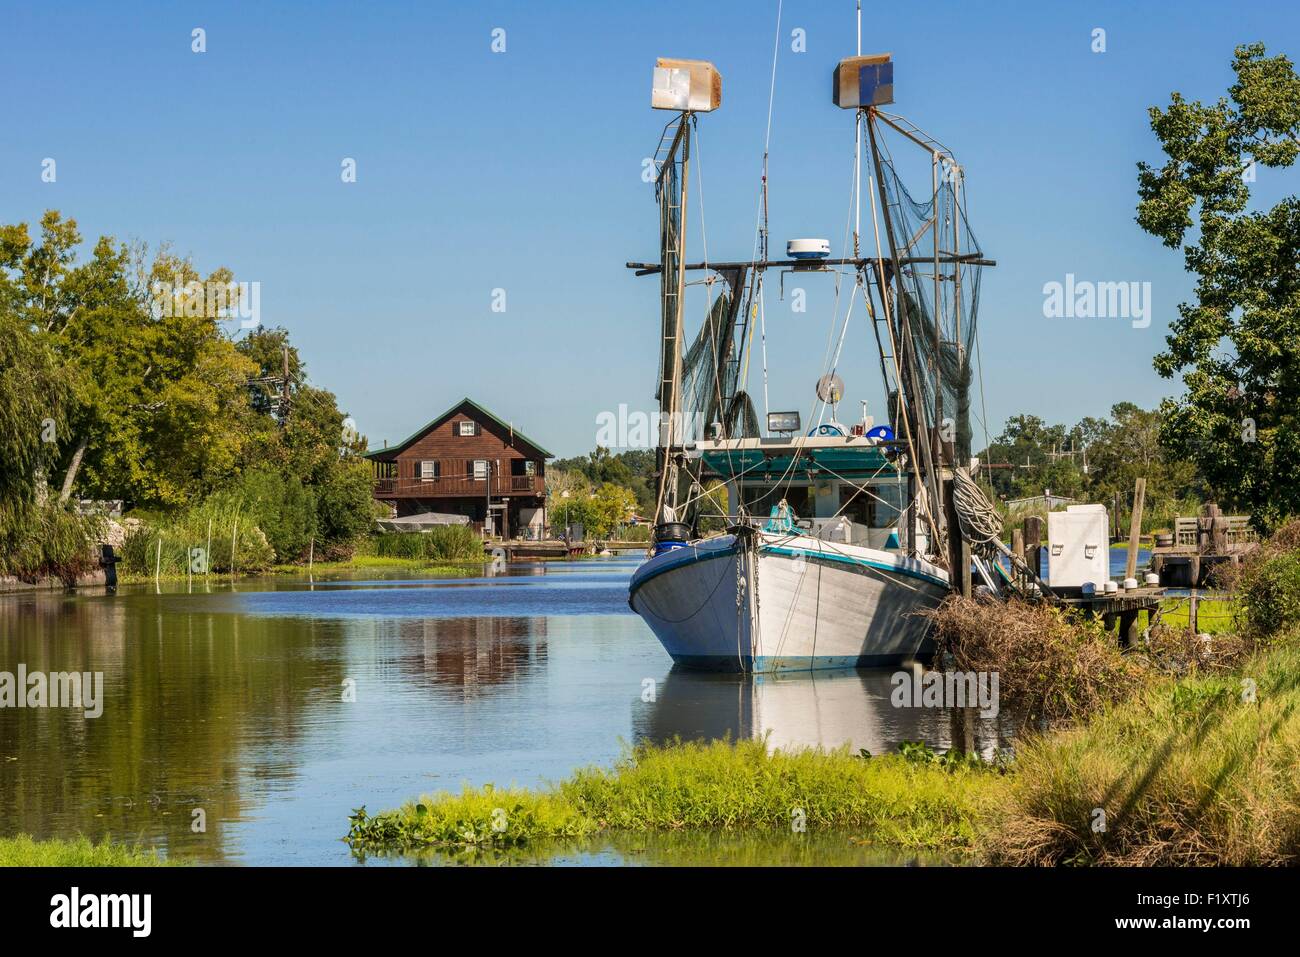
[(1192, 610), (1033, 544), (1018, 547), (958, 548), (1135, 528), (1128, 628)]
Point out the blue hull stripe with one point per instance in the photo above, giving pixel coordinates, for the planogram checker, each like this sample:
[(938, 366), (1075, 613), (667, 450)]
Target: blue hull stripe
[(776, 663)]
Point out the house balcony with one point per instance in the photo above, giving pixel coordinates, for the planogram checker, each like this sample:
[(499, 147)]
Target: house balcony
[(460, 486)]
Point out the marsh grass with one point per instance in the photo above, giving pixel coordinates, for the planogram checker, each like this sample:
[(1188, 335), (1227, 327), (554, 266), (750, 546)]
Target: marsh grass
[(180, 531), (22, 851), (1188, 772), (890, 800), (447, 542)]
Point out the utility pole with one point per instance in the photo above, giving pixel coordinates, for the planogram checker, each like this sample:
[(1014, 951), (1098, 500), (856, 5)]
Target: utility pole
[(284, 401)]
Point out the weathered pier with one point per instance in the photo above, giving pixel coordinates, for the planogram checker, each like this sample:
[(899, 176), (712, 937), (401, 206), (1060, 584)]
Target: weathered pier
[(1198, 545)]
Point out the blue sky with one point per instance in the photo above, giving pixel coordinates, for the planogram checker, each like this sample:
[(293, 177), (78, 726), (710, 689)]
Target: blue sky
[(521, 171)]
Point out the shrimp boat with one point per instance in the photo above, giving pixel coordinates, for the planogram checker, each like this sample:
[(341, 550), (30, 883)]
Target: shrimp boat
[(796, 544)]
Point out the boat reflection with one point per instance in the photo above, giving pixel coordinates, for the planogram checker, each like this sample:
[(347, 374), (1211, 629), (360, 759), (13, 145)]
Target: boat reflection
[(822, 709)]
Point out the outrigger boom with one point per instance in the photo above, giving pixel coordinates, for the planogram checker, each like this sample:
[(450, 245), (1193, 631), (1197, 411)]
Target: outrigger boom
[(814, 265)]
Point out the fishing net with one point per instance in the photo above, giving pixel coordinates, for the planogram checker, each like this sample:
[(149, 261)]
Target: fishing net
[(709, 378), (937, 317)]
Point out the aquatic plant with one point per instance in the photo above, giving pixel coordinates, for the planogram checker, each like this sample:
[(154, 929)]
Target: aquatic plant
[(889, 800), (23, 851), (179, 532)]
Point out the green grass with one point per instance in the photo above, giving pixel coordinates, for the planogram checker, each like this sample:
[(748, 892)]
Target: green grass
[(1196, 771), (22, 851), (891, 800), (1216, 616)]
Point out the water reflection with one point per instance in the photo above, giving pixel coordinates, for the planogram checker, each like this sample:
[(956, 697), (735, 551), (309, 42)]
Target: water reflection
[(179, 696), (474, 654), (230, 700), (826, 848), (824, 709)]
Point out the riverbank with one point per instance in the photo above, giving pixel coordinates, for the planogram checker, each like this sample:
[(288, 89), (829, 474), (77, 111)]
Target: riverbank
[(455, 568), (22, 851), (1189, 771)]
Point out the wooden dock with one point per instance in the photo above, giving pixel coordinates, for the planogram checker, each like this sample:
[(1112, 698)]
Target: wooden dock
[(1199, 544), (1123, 607), (518, 549)]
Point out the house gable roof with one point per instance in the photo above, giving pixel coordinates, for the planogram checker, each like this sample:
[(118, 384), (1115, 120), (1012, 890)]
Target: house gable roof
[(464, 403)]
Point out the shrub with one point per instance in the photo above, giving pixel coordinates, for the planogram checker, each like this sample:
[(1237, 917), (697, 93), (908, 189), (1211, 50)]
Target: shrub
[(345, 507), (281, 507), (1051, 665), (50, 540), (1269, 595)]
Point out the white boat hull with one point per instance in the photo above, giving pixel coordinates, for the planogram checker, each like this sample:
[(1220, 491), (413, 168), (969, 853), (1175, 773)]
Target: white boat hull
[(789, 603)]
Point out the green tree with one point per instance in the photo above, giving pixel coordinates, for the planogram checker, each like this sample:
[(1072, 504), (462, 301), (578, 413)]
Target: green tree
[(612, 505), (1237, 346)]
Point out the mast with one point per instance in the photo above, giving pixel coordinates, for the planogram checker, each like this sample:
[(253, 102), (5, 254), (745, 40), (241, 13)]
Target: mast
[(685, 87), (673, 189)]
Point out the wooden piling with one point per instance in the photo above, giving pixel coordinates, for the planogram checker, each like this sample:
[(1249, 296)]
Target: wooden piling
[(958, 547), (1034, 544), (1135, 528)]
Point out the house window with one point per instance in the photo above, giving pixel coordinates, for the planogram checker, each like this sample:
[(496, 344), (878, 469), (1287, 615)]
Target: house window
[(479, 469), (429, 470), (466, 427)]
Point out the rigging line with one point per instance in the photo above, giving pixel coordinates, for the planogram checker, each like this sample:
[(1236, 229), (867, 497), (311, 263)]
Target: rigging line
[(760, 227), (760, 231), (839, 347), (819, 409), (713, 331), (881, 146), (883, 287), (762, 325)]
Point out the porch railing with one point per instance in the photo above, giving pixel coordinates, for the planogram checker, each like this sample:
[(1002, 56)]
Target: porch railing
[(459, 485)]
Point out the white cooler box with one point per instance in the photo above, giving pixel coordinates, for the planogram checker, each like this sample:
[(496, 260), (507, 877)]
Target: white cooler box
[(1078, 546)]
